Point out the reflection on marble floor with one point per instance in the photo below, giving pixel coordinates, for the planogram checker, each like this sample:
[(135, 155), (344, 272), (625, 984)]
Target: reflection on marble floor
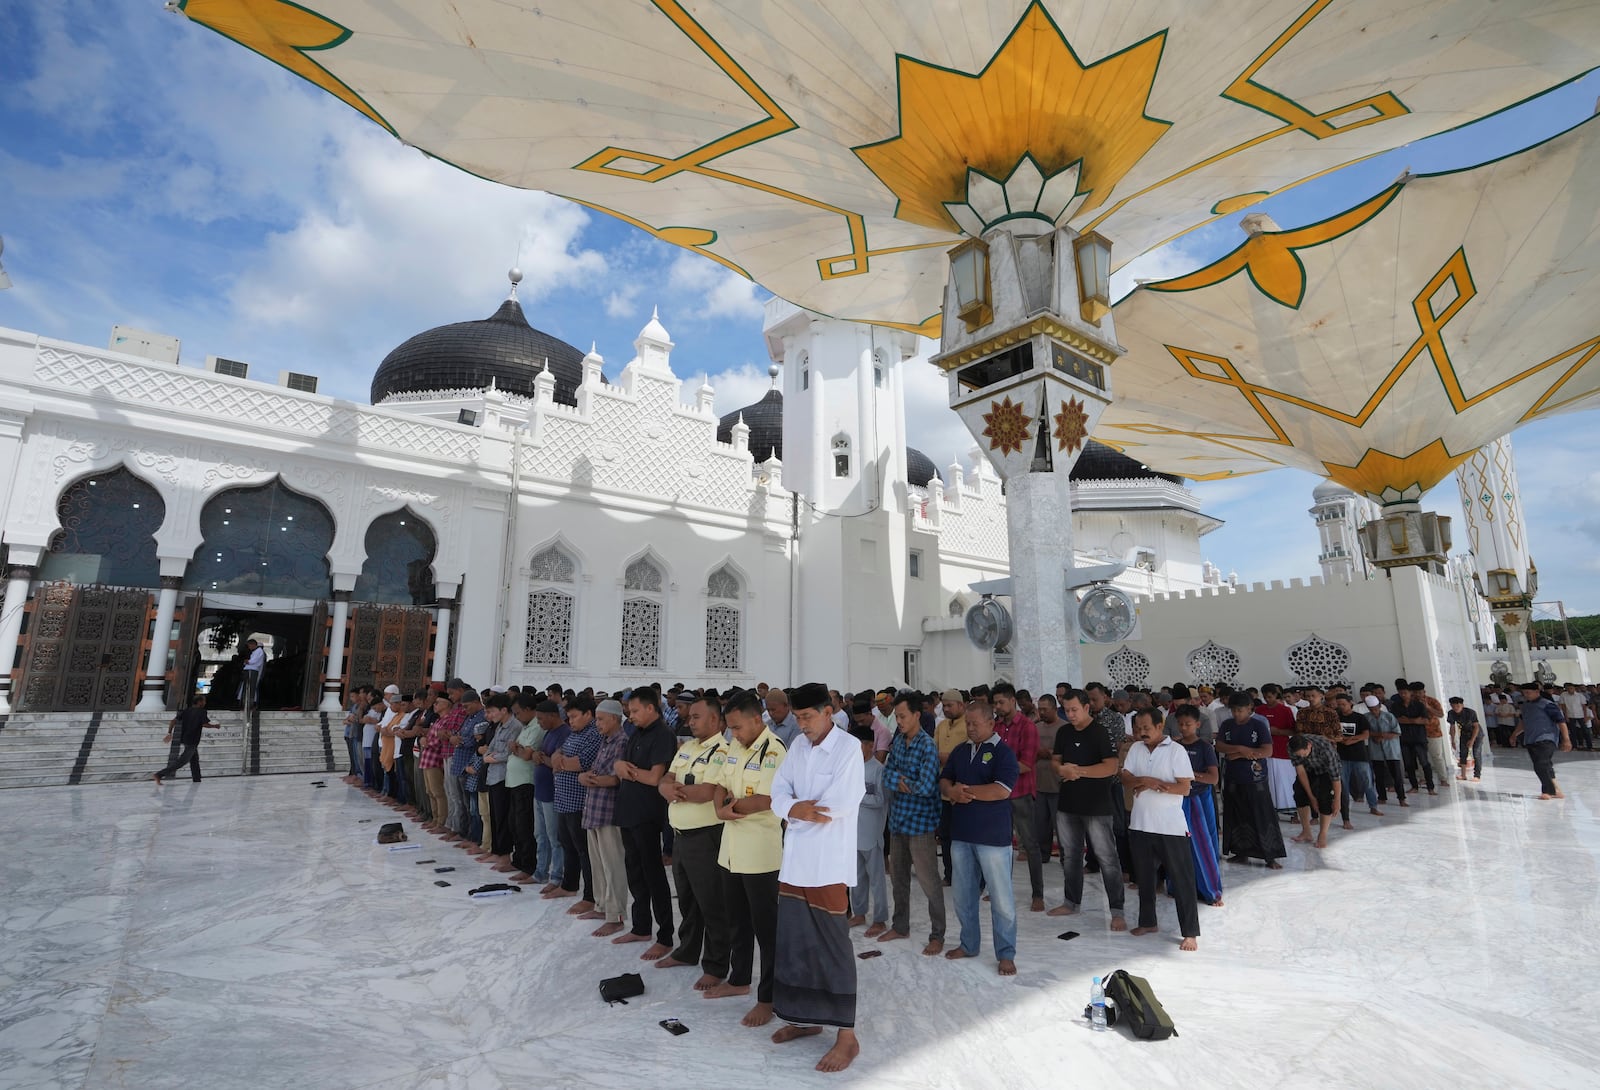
[(247, 933)]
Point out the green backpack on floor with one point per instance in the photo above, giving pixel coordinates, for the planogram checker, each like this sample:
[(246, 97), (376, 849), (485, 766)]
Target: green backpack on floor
[(1138, 1008)]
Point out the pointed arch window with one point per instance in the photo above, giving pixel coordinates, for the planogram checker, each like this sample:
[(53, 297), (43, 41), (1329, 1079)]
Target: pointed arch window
[(724, 620), (641, 614), (107, 535), (552, 601)]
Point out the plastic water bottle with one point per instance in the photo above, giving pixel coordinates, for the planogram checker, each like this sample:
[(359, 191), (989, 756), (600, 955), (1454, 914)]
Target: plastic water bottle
[(1097, 1006)]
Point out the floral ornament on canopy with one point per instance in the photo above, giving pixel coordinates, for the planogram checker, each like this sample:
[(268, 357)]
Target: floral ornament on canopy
[(1006, 426)]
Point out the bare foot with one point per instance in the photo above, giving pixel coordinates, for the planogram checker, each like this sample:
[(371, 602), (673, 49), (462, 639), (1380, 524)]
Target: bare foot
[(1320, 842), (1375, 812), (758, 1015), (706, 980), (670, 962), (1008, 967), (1406, 804), (875, 930), (844, 1050), (793, 1033), (1143, 931), (728, 991), (1189, 944), (1542, 798), (1349, 825), (581, 909), (857, 921), (957, 954), (657, 951), (934, 946), (549, 887), (1037, 905), (1303, 838), (1273, 864), (1217, 903), (632, 937), (157, 777), (890, 936), (558, 893), (1062, 910), (523, 879), (606, 929), (1118, 923), (593, 914)]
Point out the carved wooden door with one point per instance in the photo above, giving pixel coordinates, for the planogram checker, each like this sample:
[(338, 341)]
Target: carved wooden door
[(85, 648)]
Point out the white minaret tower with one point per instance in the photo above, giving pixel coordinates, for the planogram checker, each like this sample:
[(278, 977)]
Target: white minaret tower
[(1339, 514), (1497, 533)]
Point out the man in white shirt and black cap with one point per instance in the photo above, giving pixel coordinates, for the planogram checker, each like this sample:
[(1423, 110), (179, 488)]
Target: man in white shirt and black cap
[(818, 791)]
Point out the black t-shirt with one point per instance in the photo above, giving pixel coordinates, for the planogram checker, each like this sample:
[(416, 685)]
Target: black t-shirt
[(1415, 734), (1086, 747), (1464, 720), (638, 803), (1350, 725), (191, 725)]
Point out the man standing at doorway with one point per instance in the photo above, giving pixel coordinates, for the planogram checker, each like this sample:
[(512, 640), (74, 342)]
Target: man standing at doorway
[(250, 687), (190, 724)]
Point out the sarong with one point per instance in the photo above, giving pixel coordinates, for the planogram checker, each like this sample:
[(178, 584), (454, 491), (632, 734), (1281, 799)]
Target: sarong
[(1250, 823), (815, 975), (1201, 811), (1280, 775)]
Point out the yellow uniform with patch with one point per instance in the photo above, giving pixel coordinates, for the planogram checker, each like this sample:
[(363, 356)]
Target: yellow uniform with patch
[(705, 762), (754, 843)]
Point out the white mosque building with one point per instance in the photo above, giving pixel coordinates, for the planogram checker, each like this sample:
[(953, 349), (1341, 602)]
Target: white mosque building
[(512, 510)]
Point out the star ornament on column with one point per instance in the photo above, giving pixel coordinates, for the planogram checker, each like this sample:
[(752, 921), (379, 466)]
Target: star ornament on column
[(1006, 426), (1072, 426)]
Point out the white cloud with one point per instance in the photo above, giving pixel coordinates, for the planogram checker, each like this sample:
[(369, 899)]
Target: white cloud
[(719, 292), (932, 426), (622, 302), (740, 386)]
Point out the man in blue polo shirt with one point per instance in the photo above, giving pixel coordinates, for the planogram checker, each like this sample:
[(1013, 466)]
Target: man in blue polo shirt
[(1542, 726), (977, 782)]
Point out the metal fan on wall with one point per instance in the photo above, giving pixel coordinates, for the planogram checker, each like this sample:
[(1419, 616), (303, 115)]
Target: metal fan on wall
[(989, 626)]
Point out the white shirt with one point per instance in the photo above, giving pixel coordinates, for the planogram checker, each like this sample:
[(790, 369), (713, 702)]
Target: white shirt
[(1572, 704), (1157, 811), (257, 660), (832, 774), (842, 721)]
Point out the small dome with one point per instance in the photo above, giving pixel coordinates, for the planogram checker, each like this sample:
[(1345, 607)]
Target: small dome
[(765, 421), (503, 349), (1099, 462), (920, 469), (1329, 490)]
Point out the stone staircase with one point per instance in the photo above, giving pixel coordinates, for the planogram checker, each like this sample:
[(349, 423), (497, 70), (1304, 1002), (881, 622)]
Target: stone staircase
[(56, 749)]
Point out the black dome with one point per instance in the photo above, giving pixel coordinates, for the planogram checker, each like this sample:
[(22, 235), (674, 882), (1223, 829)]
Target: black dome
[(920, 468), (503, 348), (1099, 462), (765, 421)]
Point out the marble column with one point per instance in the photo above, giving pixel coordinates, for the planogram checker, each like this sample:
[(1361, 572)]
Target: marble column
[(441, 639), (18, 579), (153, 690), (1039, 529), (333, 676), (1514, 623)]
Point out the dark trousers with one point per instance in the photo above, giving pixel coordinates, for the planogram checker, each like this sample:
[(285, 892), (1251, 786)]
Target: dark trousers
[(1024, 823), (353, 746), (396, 781), (1045, 804), (922, 852), (574, 848), (944, 840), (1543, 756), (1413, 754), (703, 927), (500, 818), (752, 903), (1176, 855), (1582, 734), (524, 844), (1387, 772), (647, 880), (187, 755)]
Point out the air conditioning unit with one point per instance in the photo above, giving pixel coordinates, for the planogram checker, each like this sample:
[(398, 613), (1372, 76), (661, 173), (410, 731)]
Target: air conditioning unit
[(141, 342), (221, 365), (293, 380)]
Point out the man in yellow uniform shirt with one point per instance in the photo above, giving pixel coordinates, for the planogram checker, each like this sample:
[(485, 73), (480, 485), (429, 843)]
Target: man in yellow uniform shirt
[(690, 786), (752, 851)]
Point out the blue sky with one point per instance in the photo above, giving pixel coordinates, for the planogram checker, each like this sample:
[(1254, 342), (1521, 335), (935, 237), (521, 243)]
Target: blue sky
[(153, 174)]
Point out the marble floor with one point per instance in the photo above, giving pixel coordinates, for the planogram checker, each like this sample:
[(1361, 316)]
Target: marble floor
[(247, 933)]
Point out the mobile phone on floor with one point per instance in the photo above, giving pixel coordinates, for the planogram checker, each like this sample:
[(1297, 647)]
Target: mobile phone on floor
[(674, 1027), (865, 954), (1067, 936)]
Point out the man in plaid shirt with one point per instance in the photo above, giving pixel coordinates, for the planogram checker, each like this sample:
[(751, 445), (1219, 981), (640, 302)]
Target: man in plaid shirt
[(911, 781), (606, 856), (465, 757)]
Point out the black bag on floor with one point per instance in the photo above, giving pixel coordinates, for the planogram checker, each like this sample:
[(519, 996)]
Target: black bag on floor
[(392, 833), (1138, 1008), (620, 989)]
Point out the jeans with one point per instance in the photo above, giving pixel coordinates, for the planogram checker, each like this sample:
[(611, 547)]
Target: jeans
[(992, 863), (1025, 826), (455, 797), (549, 841), (352, 747), (921, 851), (474, 820), (368, 764), (872, 886), (575, 855), (1097, 830), (1475, 753), (1356, 776), (1413, 754), (1543, 756)]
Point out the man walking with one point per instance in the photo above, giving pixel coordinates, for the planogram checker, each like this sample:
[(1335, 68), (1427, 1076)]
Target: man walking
[(1355, 759), (1384, 737), (911, 779), (1542, 727), (190, 724), (978, 780), (1468, 734)]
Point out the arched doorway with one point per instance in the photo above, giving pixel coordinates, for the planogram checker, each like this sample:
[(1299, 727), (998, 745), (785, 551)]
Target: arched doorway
[(262, 569), (85, 636), (390, 636)]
